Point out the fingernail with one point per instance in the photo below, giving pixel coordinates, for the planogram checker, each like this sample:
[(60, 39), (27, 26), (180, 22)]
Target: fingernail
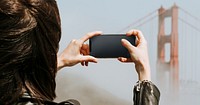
[(123, 40)]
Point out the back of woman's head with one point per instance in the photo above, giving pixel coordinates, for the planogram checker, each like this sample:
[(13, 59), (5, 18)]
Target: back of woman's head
[(29, 36)]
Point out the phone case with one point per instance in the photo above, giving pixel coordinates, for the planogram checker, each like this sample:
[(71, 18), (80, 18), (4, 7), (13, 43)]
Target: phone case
[(110, 46)]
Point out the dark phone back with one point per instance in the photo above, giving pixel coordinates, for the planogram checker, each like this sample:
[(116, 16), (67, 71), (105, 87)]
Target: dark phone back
[(110, 46)]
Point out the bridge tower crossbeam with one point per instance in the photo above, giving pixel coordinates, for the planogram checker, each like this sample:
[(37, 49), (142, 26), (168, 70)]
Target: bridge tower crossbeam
[(172, 66)]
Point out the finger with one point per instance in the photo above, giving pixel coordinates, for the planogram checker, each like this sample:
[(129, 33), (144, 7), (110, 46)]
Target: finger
[(86, 63), (122, 59), (82, 63), (137, 33), (85, 53), (88, 59), (90, 35), (86, 48), (128, 45), (137, 42)]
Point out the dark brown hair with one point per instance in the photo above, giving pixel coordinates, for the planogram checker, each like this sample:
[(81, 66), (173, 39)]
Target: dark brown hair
[(29, 35)]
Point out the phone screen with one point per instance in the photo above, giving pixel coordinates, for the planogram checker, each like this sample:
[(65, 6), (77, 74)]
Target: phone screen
[(110, 46)]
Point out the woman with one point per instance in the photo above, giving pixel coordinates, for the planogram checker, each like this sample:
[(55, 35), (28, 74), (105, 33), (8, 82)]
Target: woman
[(145, 92), (30, 32)]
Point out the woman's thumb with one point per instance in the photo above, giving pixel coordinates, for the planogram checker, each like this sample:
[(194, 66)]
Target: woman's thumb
[(89, 59), (127, 44)]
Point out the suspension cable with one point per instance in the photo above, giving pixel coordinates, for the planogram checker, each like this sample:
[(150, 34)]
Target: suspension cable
[(192, 26)]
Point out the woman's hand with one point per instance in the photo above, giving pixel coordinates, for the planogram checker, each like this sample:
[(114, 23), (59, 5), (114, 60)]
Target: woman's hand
[(139, 55), (77, 52)]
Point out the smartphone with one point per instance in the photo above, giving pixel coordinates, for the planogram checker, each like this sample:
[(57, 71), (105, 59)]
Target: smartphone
[(110, 46)]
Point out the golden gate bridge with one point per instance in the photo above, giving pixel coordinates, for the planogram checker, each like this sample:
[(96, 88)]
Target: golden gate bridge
[(173, 37)]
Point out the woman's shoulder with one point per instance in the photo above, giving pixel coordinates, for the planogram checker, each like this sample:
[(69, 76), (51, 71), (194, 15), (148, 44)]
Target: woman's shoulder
[(26, 99)]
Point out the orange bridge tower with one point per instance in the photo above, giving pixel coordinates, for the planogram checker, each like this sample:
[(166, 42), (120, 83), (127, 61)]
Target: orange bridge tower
[(168, 71)]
